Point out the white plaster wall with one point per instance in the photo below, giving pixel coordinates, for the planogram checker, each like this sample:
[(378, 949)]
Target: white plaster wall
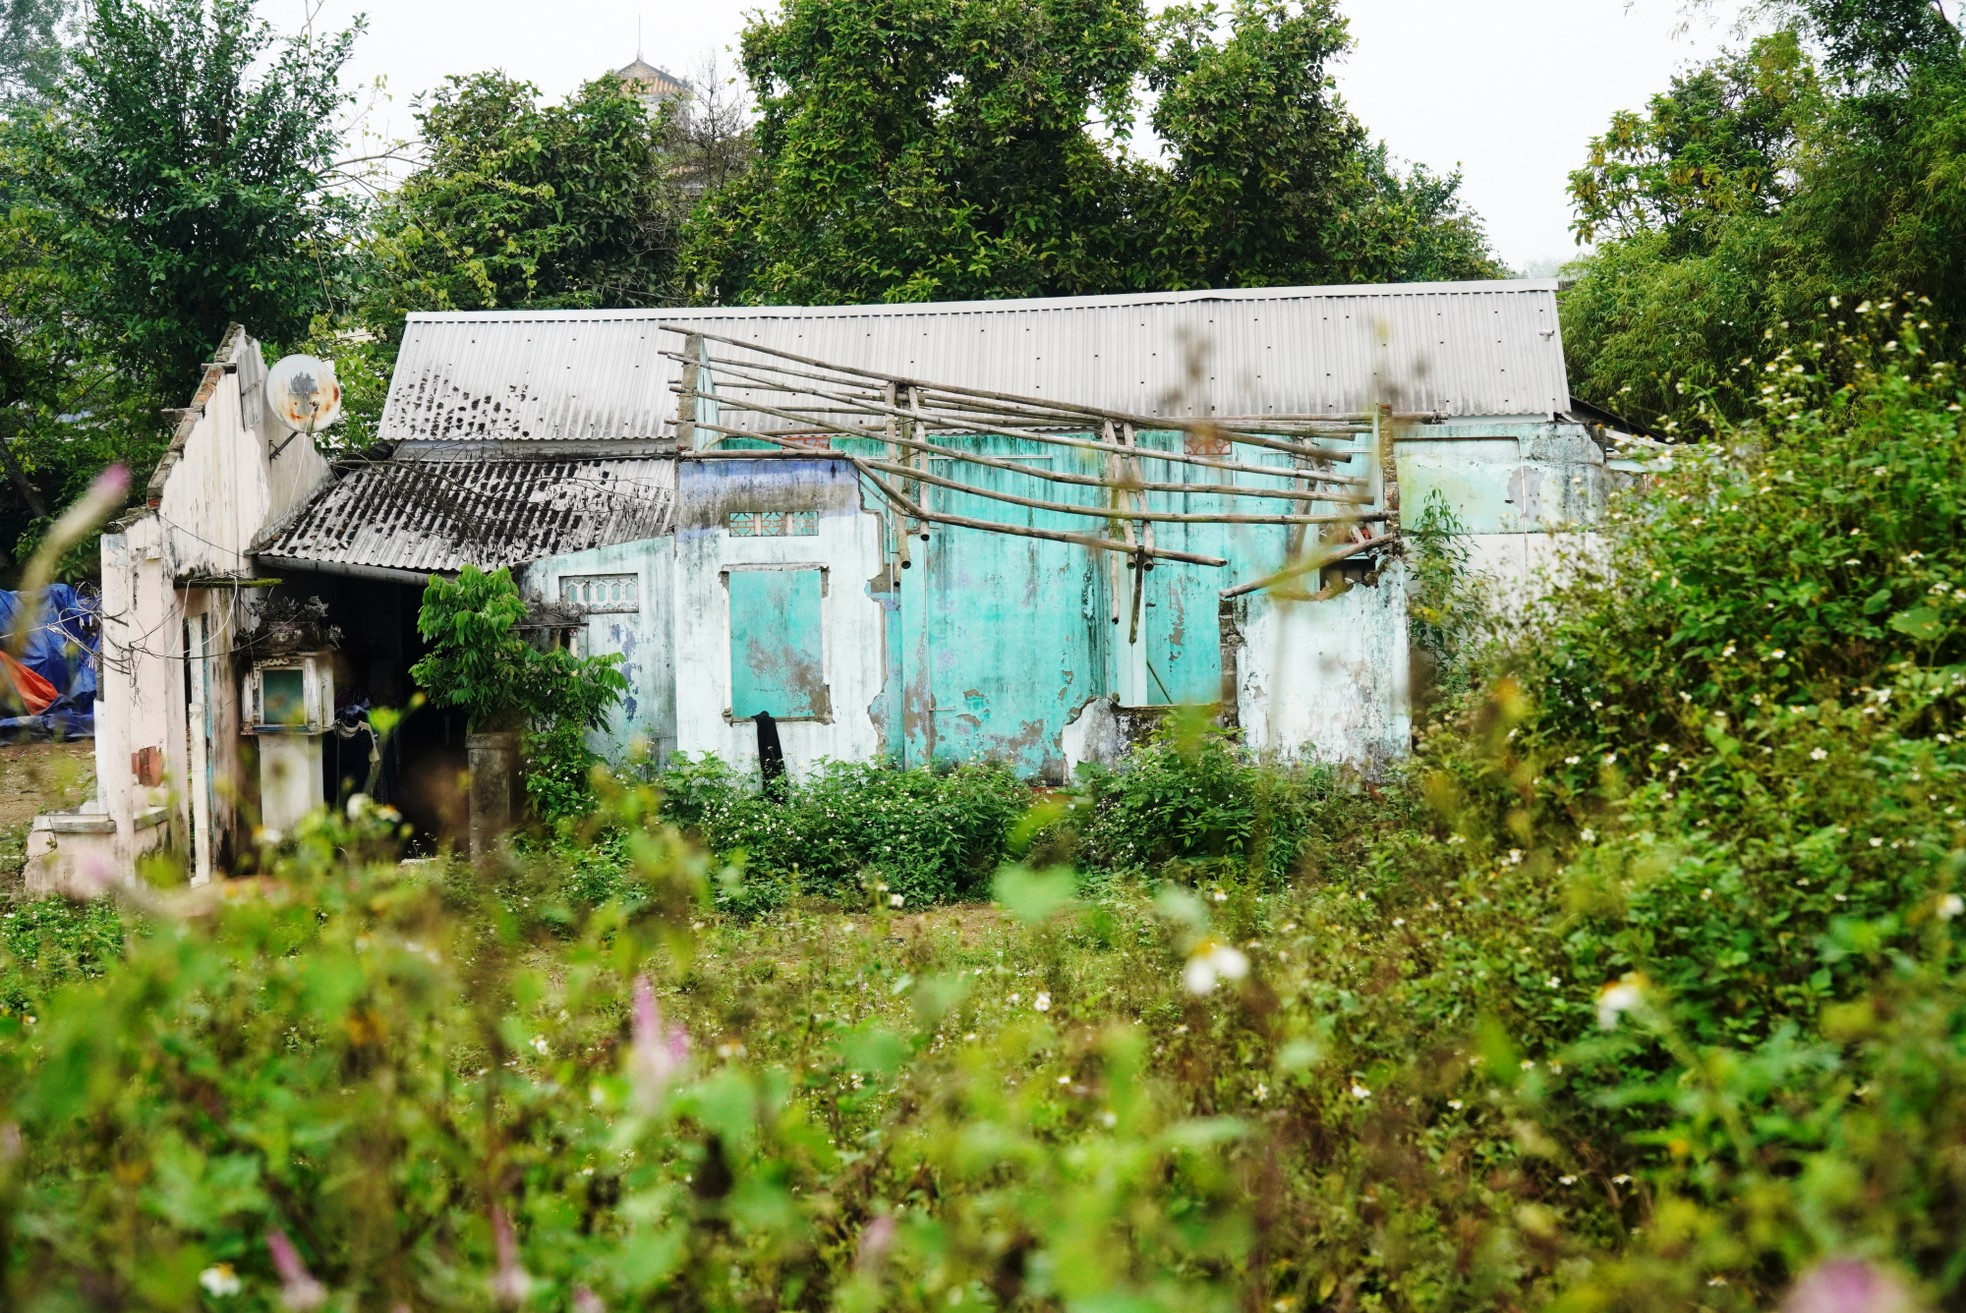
[(1518, 568), (848, 546), (139, 704), (223, 483), (1327, 681), (216, 488)]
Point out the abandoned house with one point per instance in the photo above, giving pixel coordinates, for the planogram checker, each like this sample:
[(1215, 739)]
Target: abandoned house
[(1011, 530)]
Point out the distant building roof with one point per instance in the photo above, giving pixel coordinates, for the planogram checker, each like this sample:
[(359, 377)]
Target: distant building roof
[(1452, 349), (412, 516), (651, 83)]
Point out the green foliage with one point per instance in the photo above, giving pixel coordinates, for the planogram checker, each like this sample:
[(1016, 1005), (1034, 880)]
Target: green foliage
[(1446, 612), (177, 178), (1758, 188), (49, 942), (31, 54), (186, 160), (480, 662), (977, 148), (1272, 180), (1192, 808), (850, 830), (1721, 143), (519, 205), (1640, 990)]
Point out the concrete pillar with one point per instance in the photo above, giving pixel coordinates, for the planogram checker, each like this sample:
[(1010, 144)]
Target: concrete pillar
[(494, 763)]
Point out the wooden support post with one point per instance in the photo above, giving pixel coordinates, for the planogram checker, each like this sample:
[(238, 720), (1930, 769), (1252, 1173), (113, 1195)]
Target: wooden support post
[(686, 394)]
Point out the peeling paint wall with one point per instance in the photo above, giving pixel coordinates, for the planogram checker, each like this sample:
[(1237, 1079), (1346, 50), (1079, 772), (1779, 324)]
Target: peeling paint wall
[(638, 627), (167, 709), (844, 542), (991, 645), (1327, 681)]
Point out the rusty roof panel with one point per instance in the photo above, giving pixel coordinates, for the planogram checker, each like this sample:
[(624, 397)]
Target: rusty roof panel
[(1452, 349), (437, 515)]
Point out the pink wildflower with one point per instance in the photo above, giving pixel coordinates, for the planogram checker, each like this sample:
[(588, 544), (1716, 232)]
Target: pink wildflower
[(510, 1283), (1848, 1285), (299, 1290), (876, 1240), (658, 1054)]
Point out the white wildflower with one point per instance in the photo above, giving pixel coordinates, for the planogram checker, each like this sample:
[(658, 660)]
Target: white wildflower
[(1618, 998), (220, 1281), (1360, 1092), (896, 900), (1212, 962), (1042, 1002), (1951, 906)]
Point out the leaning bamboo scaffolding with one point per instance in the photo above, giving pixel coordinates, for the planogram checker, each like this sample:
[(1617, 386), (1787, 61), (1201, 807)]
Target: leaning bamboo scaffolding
[(899, 418), (869, 407), (1065, 477), (1314, 562), (1202, 427), (810, 415), (914, 509)]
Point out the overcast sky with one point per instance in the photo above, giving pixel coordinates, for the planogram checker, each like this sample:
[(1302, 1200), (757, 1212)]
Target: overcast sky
[(1509, 90)]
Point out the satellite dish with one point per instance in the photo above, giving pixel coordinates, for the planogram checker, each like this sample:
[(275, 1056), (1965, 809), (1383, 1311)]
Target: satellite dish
[(304, 393)]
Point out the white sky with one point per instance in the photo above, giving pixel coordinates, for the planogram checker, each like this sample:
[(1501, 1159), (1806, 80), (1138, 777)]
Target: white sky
[(1509, 90)]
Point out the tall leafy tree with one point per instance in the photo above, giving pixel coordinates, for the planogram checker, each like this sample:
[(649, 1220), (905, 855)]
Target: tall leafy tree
[(944, 149), (521, 204), (1827, 161), (31, 52), (1272, 178), (187, 160), (928, 149)]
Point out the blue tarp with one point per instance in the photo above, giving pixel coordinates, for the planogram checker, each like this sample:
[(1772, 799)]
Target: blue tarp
[(62, 647)]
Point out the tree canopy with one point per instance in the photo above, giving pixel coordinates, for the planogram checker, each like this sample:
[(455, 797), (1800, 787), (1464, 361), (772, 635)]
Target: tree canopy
[(980, 148), (522, 204), (1825, 162)]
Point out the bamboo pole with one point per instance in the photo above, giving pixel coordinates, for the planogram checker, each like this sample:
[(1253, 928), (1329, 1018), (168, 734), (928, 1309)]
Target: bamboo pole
[(862, 466), (807, 416), (1097, 412), (1316, 562)]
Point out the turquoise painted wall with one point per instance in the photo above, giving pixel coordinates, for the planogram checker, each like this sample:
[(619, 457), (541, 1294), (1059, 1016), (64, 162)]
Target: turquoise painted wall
[(988, 643), (642, 634)]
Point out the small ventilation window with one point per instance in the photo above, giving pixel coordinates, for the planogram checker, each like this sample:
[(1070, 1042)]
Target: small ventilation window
[(602, 592), (773, 524)]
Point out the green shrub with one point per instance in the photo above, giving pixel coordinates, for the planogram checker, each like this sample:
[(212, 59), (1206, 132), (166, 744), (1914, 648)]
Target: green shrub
[(1190, 806), (850, 830)]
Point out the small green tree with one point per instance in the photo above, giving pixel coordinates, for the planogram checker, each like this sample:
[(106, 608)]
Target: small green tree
[(527, 205), (480, 663)]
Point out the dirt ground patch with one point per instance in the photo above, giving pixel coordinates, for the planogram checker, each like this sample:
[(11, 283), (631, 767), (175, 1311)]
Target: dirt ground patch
[(38, 777)]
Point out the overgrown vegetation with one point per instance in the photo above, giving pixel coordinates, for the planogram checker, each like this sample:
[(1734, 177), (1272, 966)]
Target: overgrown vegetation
[(1820, 162), (1640, 991), (482, 663)]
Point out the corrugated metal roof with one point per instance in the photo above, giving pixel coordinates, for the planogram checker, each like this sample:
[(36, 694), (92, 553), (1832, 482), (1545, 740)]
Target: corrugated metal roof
[(1454, 349), (438, 515)]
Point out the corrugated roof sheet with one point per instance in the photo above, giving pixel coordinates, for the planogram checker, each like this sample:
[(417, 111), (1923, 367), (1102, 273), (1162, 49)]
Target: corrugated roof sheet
[(1454, 349), (438, 515)]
